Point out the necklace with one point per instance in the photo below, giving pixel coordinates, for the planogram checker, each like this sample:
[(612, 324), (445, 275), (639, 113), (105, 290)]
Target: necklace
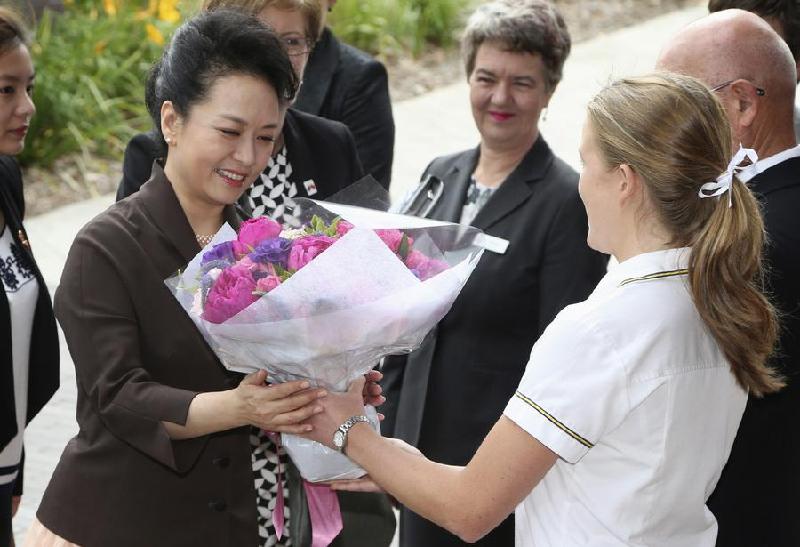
[(204, 240)]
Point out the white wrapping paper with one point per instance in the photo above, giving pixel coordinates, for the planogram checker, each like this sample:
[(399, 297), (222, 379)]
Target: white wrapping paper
[(335, 318)]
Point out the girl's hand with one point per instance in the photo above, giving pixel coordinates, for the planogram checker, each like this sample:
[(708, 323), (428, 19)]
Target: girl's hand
[(338, 407), (278, 407)]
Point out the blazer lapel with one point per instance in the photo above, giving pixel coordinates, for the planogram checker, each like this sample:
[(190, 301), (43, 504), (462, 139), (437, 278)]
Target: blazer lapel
[(160, 201), (321, 66), (456, 181), (516, 189)]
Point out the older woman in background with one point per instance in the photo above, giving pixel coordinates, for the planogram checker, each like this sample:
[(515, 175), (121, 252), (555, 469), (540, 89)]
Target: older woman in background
[(445, 397)]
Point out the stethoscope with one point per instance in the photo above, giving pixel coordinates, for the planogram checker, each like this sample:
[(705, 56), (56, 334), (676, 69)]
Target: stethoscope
[(424, 198)]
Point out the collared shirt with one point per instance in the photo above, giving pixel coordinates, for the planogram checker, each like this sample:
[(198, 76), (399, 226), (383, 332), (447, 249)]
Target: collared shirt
[(630, 389), (765, 163)]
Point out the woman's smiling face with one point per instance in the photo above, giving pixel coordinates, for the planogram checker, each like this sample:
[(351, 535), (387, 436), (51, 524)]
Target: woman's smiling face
[(508, 91), (224, 142)]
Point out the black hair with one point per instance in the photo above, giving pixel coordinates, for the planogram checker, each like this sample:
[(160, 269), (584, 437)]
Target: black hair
[(212, 45), (787, 12), (12, 30)]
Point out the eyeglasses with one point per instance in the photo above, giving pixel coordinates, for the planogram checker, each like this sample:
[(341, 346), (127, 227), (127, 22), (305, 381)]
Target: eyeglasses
[(759, 90), (296, 45)]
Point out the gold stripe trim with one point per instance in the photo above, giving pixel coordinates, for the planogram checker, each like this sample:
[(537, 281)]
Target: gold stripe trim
[(553, 420), (656, 275)]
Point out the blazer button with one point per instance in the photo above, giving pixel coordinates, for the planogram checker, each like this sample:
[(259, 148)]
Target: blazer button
[(222, 462), (217, 505)]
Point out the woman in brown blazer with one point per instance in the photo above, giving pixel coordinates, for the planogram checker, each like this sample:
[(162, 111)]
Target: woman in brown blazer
[(162, 456)]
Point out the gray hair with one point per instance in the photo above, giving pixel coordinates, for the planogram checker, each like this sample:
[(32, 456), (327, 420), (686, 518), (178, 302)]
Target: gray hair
[(520, 26)]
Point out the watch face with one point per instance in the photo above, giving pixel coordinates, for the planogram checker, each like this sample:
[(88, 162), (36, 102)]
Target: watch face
[(338, 439)]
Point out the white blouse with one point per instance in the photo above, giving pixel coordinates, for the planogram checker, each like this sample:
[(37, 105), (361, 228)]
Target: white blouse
[(630, 389), (22, 291)]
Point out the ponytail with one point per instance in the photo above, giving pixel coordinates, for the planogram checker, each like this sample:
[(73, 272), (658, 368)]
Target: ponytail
[(725, 273)]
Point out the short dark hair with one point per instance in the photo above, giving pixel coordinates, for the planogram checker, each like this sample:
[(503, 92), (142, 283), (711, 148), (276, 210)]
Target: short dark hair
[(212, 45), (520, 26), (12, 31), (786, 12)]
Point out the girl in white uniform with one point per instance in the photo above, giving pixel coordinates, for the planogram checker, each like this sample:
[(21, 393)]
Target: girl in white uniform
[(631, 400)]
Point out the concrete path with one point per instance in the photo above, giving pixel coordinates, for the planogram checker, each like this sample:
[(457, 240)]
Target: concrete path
[(427, 126)]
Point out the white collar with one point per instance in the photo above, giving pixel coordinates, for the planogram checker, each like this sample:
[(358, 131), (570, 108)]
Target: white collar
[(765, 163), (645, 264)]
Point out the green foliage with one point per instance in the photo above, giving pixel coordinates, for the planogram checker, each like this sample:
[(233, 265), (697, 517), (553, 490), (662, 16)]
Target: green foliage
[(91, 68), (391, 27)]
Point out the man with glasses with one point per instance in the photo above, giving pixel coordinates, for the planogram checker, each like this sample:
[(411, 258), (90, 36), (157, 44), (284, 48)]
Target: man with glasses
[(751, 69), (783, 16)]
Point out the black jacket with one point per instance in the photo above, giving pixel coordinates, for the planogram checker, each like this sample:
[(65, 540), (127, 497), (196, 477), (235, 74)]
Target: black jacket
[(43, 360), (345, 84), (318, 149), (445, 396), (757, 498)]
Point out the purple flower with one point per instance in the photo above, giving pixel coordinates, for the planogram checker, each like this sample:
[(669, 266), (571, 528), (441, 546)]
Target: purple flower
[(220, 252), (274, 250)]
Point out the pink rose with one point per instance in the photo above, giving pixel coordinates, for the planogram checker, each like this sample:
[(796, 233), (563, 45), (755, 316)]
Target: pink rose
[(231, 293), (266, 284), (415, 259), (343, 227), (424, 267), (393, 239), (306, 248), (254, 231)]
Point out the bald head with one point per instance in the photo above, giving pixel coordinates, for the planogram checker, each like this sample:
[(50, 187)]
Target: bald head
[(727, 45), (735, 44)]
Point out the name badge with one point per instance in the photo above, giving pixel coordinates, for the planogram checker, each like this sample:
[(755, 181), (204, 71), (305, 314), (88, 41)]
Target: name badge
[(497, 245)]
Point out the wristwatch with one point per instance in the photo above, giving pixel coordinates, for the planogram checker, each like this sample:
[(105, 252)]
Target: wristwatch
[(340, 435)]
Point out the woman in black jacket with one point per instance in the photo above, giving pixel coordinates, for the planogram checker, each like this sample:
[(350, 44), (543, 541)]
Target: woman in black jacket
[(28, 335)]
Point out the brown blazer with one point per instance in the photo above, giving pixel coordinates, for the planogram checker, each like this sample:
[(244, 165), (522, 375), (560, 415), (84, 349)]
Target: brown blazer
[(139, 361)]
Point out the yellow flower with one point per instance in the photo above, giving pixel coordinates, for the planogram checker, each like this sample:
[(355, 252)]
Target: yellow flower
[(110, 6), (154, 35), (168, 11)]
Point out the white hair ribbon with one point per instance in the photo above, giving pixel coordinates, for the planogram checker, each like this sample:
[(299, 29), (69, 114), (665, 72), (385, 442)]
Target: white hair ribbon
[(725, 180)]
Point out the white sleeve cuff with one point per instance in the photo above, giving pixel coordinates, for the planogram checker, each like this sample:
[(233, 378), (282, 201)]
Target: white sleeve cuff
[(546, 428)]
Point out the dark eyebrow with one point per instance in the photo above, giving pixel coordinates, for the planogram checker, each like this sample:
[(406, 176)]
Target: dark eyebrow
[(13, 79), (240, 121), (484, 72)]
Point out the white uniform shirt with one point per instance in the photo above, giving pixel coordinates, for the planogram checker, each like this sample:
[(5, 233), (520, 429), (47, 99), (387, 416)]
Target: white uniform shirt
[(631, 391)]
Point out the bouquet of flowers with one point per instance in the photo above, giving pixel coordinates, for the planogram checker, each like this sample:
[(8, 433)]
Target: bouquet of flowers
[(325, 301)]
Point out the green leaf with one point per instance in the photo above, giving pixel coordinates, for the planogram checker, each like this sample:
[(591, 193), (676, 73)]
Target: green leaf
[(404, 248)]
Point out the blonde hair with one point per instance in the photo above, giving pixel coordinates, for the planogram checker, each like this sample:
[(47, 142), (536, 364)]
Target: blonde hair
[(311, 10), (673, 132), (12, 30)]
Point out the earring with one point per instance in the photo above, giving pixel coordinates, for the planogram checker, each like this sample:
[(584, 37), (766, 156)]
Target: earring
[(544, 114), (168, 140)]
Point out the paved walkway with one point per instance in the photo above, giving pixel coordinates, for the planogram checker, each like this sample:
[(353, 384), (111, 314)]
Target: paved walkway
[(427, 126)]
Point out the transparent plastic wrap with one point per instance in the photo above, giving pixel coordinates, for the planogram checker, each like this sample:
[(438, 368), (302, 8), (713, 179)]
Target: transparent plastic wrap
[(335, 318)]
